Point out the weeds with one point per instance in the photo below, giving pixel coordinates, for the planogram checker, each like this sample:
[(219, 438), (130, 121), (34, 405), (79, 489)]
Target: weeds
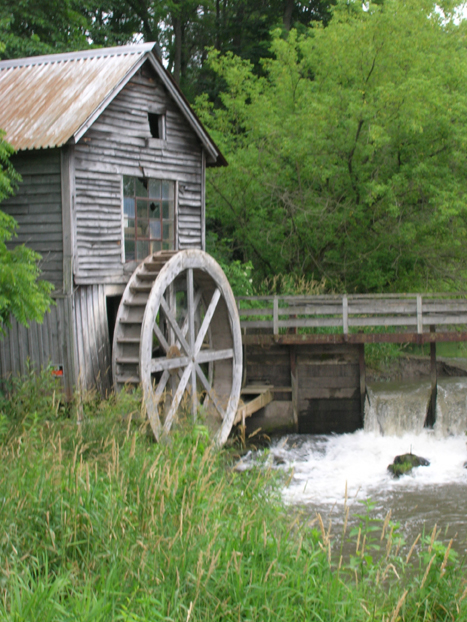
[(98, 522)]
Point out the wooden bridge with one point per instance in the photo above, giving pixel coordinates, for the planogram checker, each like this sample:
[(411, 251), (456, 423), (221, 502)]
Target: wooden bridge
[(308, 352)]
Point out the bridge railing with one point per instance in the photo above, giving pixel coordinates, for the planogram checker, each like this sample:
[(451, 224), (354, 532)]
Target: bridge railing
[(416, 312)]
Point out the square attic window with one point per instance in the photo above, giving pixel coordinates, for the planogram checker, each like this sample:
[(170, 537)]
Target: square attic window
[(148, 216), (157, 125)]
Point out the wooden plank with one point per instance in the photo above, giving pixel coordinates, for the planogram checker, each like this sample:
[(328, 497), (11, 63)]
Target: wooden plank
[(253, 406)]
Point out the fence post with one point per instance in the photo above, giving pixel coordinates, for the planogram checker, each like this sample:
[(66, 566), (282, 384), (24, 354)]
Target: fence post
[(419, 315), (275, 316), (345, 314)]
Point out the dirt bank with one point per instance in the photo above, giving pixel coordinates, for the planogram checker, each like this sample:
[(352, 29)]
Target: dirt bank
[(410, 367)]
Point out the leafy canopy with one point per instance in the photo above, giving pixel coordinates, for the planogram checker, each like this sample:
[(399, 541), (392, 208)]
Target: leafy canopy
[(348, 157), (21, 293)]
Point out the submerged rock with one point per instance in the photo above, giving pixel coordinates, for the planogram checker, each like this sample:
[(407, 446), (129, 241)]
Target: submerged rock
[(405, 463)]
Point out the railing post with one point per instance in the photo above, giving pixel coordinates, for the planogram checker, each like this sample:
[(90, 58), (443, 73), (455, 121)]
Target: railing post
[(275, 316), (419, 315), (345, 314)]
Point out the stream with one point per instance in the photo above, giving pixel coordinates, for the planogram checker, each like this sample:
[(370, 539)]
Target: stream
[(328, 472)]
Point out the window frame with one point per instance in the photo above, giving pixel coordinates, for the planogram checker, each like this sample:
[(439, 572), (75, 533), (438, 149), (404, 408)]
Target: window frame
[(174, 240)]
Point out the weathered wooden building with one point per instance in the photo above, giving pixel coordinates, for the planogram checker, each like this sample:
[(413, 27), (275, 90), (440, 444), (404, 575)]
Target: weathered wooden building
[(113, 162)]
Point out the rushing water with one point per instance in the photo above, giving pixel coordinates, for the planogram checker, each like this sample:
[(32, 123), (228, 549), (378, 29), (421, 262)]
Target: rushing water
[(324, 469)]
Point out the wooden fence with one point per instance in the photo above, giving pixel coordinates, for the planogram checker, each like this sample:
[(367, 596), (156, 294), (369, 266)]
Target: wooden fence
[(346, 314)]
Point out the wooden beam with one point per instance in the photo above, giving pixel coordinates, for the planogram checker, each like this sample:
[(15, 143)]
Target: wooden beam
[(265, 340), (251, 407), (361, 361)]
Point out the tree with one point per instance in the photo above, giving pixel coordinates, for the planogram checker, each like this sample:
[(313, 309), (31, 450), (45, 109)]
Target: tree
[(22, 294), (183, 29), (348, 158)]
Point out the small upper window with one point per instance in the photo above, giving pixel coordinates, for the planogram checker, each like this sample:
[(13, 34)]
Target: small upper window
[(157, 125), (148, 215)]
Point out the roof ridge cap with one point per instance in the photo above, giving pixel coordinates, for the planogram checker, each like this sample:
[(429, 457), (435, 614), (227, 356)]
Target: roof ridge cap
[(120, 50)]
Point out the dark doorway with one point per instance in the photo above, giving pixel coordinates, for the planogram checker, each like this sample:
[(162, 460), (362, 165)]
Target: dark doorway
[(113, 302)]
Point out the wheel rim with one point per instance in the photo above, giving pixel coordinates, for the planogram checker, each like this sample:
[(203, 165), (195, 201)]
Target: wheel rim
[(192, 318)]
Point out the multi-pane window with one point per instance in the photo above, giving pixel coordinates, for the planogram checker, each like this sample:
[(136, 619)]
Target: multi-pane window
[(148, 215)]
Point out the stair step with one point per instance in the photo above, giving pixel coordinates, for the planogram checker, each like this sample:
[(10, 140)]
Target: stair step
[(131, 321), (127, 360), (147, 276), (137, 289), (135, 303), (128, 340), (128, 379)]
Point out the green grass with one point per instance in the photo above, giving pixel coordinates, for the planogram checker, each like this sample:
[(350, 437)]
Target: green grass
[(98, 522)]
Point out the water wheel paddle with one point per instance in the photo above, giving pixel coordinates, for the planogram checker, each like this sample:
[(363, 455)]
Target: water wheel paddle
[(177, 333)]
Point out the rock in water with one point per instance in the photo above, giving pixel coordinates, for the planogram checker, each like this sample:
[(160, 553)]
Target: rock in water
[(405, 463)]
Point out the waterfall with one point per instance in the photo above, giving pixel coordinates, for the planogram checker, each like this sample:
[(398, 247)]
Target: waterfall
[(451, 406), (397, 408)]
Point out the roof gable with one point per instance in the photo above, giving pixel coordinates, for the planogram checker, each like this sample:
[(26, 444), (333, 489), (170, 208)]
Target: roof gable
[(47, 101)]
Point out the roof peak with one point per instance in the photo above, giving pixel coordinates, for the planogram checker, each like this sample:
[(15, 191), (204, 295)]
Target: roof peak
[(133, 48)]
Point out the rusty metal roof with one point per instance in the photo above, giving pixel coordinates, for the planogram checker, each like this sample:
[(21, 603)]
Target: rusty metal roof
[(47, 101)]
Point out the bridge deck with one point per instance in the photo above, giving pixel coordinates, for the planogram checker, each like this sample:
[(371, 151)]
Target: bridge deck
[(396, 318)]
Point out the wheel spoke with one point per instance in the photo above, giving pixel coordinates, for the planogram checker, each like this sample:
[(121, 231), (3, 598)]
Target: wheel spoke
[(207, 356), (173, 323), (172, 306), (190, 309), (163, 363), (207, 320), (194, 394), (154, 398), (209, 390), (160, 336), (177, 398)]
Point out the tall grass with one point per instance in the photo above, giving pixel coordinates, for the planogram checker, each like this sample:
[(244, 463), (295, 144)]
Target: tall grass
[(98, 522)]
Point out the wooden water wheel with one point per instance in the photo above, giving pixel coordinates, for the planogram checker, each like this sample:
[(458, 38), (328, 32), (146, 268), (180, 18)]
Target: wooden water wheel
[(177, 333)]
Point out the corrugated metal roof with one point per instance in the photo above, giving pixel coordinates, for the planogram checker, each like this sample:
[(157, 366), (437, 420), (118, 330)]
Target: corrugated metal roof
[(45, 100)]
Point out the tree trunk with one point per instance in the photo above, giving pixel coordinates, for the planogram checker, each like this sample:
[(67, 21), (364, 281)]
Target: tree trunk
[(288, 11), (177, 26)]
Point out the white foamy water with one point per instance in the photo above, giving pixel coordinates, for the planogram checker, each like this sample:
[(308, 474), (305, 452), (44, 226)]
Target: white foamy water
[(324, 466)]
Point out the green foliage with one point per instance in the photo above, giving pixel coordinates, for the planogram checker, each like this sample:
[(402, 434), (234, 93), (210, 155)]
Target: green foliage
[(347, 158), (31, 27), (21, 293), (99, 522)]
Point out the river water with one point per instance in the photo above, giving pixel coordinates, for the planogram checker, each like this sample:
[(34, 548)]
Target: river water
[(326, 473)]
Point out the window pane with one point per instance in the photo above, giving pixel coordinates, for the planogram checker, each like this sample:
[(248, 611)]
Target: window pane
[(129, 250), (142, 249), (129, 207), (143, 229), (168, 189), (155, 227), (155, 188), (130, 228), (167, 210), (155, 246), (128, 186), (154, 210), (142, 209), (167, 231), (141, 187)]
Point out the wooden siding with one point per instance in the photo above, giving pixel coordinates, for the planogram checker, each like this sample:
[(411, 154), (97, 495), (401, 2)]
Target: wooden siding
[(41, 345), (92, 339), (37, 208), (119, 143)]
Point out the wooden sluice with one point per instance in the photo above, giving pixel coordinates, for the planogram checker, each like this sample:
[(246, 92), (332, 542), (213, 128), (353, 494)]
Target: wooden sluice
[(308, 352)]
